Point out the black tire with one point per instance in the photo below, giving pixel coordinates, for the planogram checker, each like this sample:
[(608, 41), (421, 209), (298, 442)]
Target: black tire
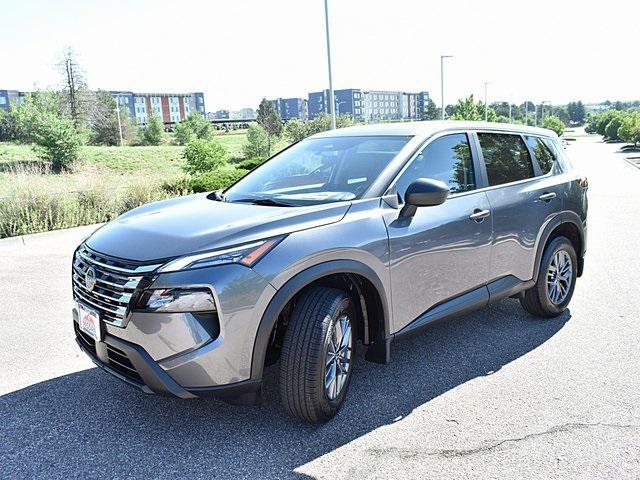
[(304, 350), (536, 300)]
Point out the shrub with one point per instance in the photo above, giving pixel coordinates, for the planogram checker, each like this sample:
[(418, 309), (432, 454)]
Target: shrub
[(611, 130), (553, 123), (57, 141), (215, 180), (183, 134), (194, 126), (257, 142), (178, 186), (153, 132), (296, 130), (251, 163), (203, 156), (629, 130), (602, 120)]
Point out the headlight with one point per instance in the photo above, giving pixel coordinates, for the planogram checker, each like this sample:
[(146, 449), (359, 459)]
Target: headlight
[(177, 300), (247, 254)]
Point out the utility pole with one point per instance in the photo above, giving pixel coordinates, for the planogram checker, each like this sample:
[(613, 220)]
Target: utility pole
[(442, 57), (331, 96), (510, 115)]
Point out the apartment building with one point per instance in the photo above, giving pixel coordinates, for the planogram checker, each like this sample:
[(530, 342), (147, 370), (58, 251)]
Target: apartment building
[(348, 101), (289, 108), (370, 105), (8, 97), (170, 107)]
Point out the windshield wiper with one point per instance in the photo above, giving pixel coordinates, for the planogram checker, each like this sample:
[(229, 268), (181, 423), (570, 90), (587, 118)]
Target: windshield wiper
[(267, 202)]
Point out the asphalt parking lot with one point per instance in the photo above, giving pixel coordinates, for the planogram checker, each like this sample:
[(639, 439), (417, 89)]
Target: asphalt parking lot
[(493, 394)]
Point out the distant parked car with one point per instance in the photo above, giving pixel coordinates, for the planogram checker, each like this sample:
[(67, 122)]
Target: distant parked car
[(355, 236)]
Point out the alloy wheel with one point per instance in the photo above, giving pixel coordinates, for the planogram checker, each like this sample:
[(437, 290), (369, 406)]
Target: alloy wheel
[(338, 357), (559, 277)]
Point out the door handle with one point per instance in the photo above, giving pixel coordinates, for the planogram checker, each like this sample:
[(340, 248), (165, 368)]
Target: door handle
[(547, 196), (479, 215)]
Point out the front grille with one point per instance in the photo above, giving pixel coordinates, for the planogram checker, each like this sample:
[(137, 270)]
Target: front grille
[(116, 281)]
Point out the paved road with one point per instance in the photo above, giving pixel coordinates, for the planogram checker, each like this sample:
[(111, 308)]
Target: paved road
[(494, 394)]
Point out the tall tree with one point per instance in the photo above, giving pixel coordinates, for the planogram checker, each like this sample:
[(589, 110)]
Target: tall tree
[(576, 112), (431, 111), (469, 109), (105, 122), (76, 97), (269, 118)]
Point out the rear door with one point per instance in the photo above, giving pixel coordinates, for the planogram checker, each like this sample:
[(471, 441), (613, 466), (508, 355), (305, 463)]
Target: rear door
[(522, 201), (440, 252)]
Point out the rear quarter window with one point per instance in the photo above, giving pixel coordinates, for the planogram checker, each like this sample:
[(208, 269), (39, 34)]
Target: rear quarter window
[(541, 151)]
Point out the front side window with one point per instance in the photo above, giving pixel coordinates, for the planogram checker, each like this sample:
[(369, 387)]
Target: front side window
[(447, 159), (506, 158), (319, 170), (542, 153)]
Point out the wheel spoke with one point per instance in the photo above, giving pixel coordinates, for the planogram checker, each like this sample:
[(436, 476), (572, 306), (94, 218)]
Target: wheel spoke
[(330, 379), (346, 338)]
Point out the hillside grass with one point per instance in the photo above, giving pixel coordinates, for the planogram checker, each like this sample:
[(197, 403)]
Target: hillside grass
[(104, 183)]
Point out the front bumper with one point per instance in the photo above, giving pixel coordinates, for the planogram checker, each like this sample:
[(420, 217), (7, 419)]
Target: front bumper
[(184, 354), (133, 365)]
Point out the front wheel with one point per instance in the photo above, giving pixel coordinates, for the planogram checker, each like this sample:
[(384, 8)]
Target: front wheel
[(317, 354), (553, 290)]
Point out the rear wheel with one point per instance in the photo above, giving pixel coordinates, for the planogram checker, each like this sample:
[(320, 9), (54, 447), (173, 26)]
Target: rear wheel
[(317, 354), (554, 288)]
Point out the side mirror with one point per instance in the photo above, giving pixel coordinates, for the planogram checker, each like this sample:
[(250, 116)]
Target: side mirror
[(423, 192)]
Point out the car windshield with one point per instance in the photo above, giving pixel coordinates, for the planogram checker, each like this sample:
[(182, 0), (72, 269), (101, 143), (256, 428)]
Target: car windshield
[(318, 170)]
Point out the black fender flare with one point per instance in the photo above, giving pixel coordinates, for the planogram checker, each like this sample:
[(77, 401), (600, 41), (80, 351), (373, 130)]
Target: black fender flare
[(564, 217), (292, 287)]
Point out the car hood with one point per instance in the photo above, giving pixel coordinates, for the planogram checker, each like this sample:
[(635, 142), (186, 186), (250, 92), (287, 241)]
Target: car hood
[(185, 225)]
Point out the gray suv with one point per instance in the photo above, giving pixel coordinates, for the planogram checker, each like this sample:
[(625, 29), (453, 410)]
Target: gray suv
[(351, 237)]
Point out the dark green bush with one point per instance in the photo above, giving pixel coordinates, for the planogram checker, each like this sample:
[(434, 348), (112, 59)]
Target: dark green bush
[(216, 179), (250, 163)]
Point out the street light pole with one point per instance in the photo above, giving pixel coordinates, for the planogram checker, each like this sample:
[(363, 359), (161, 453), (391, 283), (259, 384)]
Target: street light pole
[(486, 105), (542, 108), (119, 122), (331, 96), (442, 57)]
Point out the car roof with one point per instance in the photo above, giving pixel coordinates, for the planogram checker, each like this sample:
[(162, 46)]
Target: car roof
[(427, 128)]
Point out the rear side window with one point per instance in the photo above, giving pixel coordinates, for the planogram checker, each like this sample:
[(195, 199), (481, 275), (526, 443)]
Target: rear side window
[(542, 153), (506, 158), (563, 161), (447, 159)]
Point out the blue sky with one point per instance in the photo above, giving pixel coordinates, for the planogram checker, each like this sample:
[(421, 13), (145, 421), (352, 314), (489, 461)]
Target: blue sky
[(241, 50)]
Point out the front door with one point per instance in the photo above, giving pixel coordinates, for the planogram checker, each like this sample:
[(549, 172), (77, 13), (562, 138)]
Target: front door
[(444, 250)]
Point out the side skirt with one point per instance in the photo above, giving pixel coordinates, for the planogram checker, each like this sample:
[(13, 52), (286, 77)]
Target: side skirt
[(467, 302)]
